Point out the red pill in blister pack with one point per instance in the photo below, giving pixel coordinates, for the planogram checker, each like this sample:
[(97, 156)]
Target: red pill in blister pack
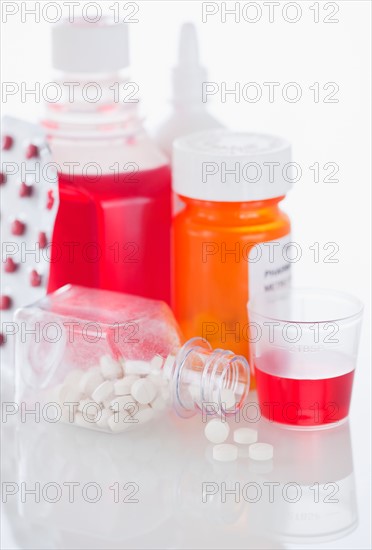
[(10, 266), (42, 240), (35, 278), (25, 190), (7, 143), (32, 151), (18, 228), (5, 302)]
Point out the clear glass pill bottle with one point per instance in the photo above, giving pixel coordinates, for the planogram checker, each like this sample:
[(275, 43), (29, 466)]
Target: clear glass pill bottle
[(231, 239), (112, 362)]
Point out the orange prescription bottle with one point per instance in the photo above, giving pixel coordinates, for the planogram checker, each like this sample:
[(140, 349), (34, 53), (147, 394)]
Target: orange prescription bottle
[(231, 238)]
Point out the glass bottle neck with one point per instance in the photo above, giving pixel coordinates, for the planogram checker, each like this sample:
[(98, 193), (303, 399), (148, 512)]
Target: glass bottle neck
[(206, 380)]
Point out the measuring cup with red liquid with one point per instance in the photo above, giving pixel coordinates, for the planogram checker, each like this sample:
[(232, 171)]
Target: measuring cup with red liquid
[(304, 345)]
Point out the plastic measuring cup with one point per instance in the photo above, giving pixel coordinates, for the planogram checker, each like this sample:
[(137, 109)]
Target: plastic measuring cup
[(304, 346)]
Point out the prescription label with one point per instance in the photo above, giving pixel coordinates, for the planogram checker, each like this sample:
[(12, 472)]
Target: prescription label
[(269, 266)]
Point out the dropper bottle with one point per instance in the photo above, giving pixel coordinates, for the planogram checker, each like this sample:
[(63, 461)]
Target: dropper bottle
[(189, 111)]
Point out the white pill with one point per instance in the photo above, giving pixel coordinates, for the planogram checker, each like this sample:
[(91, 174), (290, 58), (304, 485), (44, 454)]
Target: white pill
[(84, 403), (225, 452), (117, 423), (90, 409), (110, 368), (168, 364), (102, 422), (140, 368), (120, 402), (156, 363), (90, 380), (103, 391), (245, 436), (156, 378), (261, 451), (216, 431), (226, 397), (143, 391), (123, 386)]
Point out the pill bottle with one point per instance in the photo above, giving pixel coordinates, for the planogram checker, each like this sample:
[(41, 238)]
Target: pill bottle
[(112, 362), (112, 229), (231, 238), (189, 109)]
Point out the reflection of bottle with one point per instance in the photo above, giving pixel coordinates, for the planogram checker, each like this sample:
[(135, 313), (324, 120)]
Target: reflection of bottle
[(120, 359), (314, 497), (189, 111), (113, 222)]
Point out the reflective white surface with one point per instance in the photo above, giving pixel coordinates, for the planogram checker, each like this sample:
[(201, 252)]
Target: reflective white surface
[(315, 491)]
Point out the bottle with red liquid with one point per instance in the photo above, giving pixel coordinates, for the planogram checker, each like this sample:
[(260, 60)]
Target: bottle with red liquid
[(112, 229)]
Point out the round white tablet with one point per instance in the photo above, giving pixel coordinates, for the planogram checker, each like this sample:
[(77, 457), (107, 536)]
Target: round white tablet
[(139, 368), (123, 386), (216, 431), (103, 391), (143, 391), (226, 397), (261, 451), (110, 369), (245, 436), (225, 452), (90, 380)]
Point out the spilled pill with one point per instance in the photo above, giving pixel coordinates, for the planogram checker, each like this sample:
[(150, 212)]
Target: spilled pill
[(225, 452), (226, 397), (110, 368), (140, 368), (143, 391), (261, 451), (245, 436), (216, 431), (103, 391), (123, 385), (90, 380)]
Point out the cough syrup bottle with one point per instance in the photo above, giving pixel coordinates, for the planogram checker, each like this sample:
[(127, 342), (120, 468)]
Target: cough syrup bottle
[(231, 239), (112, 229)]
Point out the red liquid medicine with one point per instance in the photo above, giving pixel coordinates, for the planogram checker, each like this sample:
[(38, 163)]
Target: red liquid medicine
[(114, 233), (320, 396)]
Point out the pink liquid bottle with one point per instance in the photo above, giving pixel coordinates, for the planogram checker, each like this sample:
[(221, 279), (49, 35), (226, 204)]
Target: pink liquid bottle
[(112, 229)]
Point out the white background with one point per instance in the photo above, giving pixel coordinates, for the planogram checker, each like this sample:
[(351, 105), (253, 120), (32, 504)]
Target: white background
[(304, 52)]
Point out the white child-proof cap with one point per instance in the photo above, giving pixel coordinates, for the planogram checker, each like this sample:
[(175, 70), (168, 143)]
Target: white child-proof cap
[(220, 165), (83, 47)]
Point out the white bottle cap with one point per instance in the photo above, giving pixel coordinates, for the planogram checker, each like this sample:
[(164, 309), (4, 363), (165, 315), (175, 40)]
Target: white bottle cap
[(83, 47), (188, 75), (225, 166)]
